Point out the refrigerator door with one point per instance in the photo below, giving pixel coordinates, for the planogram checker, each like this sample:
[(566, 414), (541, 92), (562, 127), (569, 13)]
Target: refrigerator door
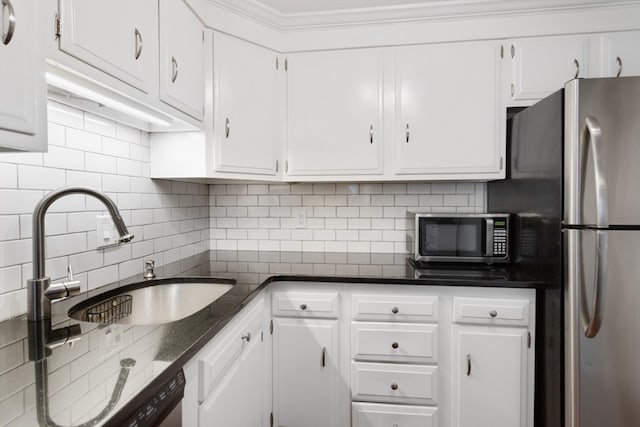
[(602, 152), (602, 372)]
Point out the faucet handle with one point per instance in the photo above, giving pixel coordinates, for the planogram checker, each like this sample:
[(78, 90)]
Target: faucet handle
[(64, 289), (148, 269)]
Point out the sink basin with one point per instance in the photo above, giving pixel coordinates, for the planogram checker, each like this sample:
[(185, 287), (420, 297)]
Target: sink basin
[(152, 302)]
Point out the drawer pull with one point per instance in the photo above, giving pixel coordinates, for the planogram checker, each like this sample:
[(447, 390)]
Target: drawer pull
[(303, 306), (493, 313), (395, 310), (395, 345), (394, 386), (247, 337)]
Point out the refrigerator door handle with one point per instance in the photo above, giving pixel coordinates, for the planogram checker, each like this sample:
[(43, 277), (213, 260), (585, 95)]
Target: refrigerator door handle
[(592, 318), (592, 136)]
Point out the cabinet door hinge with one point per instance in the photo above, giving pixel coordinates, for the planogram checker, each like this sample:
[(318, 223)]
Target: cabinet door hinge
[(56, 27), (271, 419), (528, 339), (271, 327)]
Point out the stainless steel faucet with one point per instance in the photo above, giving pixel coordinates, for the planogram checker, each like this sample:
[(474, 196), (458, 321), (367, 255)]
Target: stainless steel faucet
[(40, 291)]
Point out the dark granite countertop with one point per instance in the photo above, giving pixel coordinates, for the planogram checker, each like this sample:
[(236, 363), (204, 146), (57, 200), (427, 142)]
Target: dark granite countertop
[(81, 378)]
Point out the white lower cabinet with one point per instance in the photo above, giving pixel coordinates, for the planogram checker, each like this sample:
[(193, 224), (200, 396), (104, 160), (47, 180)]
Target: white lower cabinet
[(306, 373), (381, 415)]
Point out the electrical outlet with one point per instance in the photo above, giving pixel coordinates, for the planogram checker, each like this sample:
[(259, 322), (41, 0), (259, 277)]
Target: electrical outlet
[(106, 233), (300, 217)]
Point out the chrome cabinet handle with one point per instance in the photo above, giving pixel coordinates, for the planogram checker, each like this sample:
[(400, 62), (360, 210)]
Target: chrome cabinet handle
[(8, 36), (592, 136), (407, 133), (575, 61), (493, 313), (371, 134), (138, 37), (394, 386), (395, 345), (247, 337), (303, 306), (324, 356), (174, 69), (227, 128), (619, 61), (395, 310), (468, 364)]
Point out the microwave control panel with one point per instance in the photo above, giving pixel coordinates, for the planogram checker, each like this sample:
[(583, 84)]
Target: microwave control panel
[(500, 237)]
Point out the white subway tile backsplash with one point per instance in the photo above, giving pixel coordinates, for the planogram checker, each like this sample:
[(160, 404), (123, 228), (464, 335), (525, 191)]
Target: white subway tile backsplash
[(99, 125), (8, 175), (87, 150)]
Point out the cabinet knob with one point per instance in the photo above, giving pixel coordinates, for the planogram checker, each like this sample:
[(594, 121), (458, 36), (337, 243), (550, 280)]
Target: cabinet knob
[(395, 310), (493, 313), (6, 37), (303, 306), (395, 345), (394, 386)]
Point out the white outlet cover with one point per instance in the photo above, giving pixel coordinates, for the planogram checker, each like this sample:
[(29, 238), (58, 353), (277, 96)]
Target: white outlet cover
[(300, 217), (106, 232)]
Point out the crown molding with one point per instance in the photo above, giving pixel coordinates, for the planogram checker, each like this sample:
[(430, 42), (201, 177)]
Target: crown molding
[(434, 11)]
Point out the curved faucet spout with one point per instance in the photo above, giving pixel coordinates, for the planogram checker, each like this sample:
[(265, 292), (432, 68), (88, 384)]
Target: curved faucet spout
[(39, 305)]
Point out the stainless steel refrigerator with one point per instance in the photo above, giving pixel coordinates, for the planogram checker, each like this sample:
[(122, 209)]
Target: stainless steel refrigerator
[(574, 185)]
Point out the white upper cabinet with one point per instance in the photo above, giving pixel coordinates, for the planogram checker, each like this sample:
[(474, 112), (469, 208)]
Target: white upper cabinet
[(335, 113), (448, 117), (119, 37), (181, 58), (247, 106), (22, 87), (542, 65), (620, 56)]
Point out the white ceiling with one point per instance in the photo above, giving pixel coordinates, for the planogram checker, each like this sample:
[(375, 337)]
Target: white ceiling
[(312, 6), (292, 14)]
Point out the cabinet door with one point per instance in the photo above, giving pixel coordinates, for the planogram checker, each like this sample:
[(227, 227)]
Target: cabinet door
[(23, 106), (181, 58), (306, 373), (247, 106), (118, 37), (334, 113), (620, 54), (238, 398), (540, 66), (490, 377), (447, 109)]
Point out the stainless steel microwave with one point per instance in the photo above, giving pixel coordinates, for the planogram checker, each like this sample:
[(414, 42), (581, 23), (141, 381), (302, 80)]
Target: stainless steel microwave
[(482, 238)]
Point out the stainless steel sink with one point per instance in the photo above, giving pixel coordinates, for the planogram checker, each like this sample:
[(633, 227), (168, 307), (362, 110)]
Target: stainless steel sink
[(152, 302)]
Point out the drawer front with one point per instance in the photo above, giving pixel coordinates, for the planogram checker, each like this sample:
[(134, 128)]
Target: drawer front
[(215, 363), (394, 342), (394, 308), (303, 304), (381, 415), (394, 383), (491, 311)]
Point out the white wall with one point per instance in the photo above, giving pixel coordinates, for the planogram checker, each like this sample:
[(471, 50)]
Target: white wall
[(340, 217), (169, 219)]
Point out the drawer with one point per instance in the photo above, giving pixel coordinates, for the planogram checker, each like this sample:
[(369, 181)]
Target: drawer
[(305, 304), (394, 383), (213, 364), (394, 308), (491, 311), (394, 342), (381, 415)]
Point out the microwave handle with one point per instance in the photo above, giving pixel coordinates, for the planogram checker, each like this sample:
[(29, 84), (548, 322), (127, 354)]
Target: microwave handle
[(488, 250)]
